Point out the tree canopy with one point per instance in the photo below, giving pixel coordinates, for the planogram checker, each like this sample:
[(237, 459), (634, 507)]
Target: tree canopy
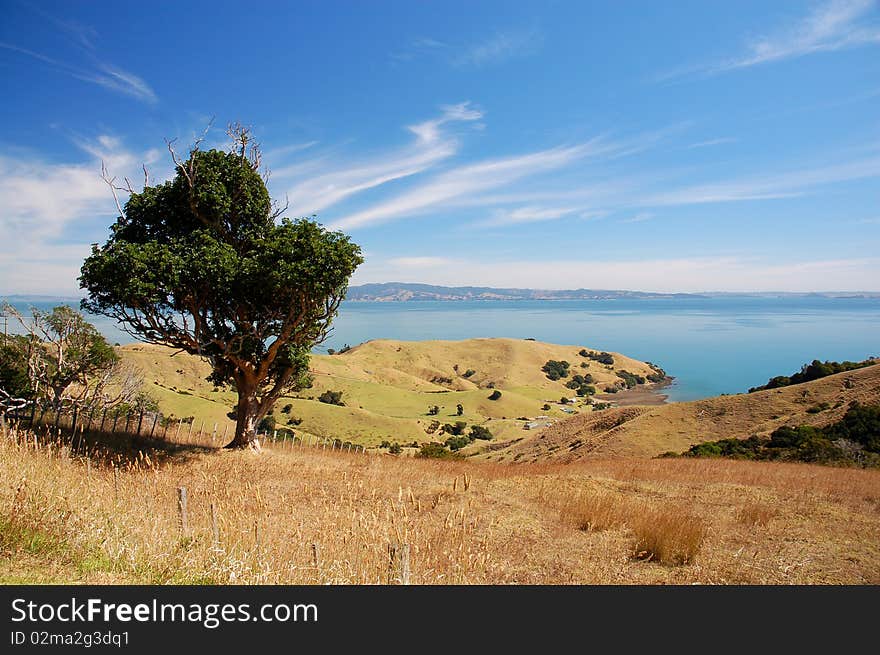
[(201, 263)]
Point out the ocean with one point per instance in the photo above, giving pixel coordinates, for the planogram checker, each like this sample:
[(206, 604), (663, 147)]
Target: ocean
[(711, 345)]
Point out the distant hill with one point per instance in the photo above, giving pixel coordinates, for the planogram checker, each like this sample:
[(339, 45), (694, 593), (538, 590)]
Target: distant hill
[(403, 291), (650, 431)]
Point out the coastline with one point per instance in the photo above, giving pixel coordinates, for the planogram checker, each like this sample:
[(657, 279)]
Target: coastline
[(645, 395)]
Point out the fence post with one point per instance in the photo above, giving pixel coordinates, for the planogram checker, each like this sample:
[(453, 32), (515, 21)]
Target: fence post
[(181, 509), (177, 434), (225, 430), (73, 423), (214, 527), (316, 555), (190, 433)]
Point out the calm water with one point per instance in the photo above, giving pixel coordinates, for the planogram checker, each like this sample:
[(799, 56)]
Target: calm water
[(711, 346)]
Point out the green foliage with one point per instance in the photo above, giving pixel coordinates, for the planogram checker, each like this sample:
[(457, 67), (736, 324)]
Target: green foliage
[(630, 379), (813, 371), (602, 357), (437, 451), (14, 378), (855, 439), (556, 370), (468, 373), (267, 424), (395, 448), (480, 432), (495, 395), (457, 443), (545, 407), (331, 398), (459, 409), (457, 429), (433, 410), (586, 390), (287, 408), (200, 263)]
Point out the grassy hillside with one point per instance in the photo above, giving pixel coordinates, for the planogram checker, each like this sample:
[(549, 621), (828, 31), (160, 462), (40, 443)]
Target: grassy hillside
[(307, 516), (650, 431), (388, 386)]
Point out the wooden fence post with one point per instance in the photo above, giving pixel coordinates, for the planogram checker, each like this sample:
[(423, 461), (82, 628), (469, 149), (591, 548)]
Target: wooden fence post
[(214, 527), (190, 433), (177, 434), (73, 423), (316, 555), (181, 509)]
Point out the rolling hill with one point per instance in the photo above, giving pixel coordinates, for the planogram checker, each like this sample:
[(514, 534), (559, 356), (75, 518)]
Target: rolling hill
[(650, 431)]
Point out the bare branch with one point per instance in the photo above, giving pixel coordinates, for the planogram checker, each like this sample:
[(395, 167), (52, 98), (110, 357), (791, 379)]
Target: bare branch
[(146, 176), (111, 182)]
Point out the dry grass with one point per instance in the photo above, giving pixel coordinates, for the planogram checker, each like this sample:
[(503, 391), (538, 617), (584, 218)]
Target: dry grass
[(307, 516)]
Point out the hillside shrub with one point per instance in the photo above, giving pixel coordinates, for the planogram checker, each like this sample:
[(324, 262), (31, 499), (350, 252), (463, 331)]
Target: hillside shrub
[(813, 371), (556, 370), (495, 395), (480, 432), (331, 398)]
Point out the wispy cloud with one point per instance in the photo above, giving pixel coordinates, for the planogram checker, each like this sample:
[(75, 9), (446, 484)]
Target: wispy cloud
[(641, 217), (501, 47), (105, 75), (496, 48), (43, 200), (830, 26), (712, 142), (431, 145), (471, 179)]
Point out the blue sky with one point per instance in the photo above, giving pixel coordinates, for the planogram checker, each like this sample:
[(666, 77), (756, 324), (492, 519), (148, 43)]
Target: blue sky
[(681, 146)]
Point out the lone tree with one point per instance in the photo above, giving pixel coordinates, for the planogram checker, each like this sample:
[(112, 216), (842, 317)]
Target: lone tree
[(199, 263)]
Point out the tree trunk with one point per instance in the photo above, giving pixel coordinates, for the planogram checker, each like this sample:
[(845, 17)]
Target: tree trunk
[(247, 418)]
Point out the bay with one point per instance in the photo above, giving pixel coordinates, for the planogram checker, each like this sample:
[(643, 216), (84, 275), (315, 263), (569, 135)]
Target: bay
[(711, 345)]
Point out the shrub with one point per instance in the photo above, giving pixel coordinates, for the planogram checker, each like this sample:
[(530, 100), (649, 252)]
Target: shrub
[(267, 424), (457, 443), (433, 410), (395, 448), (545, 407), (812, 371), (287, 408), (459, 409), (480, 432), (457, 429), (495, 395), (556, 369), (602, 358), (630, 379), (437, 451), (586, 390), (468, 373), (331, 398)]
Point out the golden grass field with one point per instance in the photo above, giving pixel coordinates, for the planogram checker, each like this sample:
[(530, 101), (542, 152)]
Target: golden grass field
[(303, 515)]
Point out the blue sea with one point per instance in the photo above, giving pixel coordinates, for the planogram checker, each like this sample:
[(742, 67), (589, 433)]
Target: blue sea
[(710, 345)]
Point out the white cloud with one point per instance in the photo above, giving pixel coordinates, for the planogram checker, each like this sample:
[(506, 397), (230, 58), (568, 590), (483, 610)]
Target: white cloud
[(830, 26), (526, 214), (659, 275), (712, 142), (41, 200), (501, 47), (469, 180), (103, 74), (431, 146)]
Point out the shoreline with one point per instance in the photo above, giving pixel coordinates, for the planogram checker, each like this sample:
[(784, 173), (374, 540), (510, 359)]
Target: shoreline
[(646, 395)]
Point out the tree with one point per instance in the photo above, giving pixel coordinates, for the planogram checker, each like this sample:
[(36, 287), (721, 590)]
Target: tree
[(200, 263), (66, 358), (459, 409)]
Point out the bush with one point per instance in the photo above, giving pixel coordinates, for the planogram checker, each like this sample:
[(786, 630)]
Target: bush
[(545, 407), (457, 429), (433, 410), (556, 369), (437, 451), (331, 398), (267, 424), (457, 443), (495, 395), (480, 432), (468, 373), (287, 408), (602, 358), (630, 379), (586, 390), (395, 449)]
